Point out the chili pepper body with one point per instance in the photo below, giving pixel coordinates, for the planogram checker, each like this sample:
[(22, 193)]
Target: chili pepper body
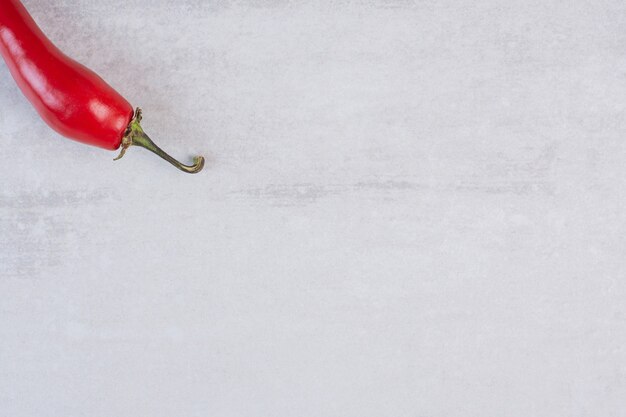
[(71, 98), (68, 96)]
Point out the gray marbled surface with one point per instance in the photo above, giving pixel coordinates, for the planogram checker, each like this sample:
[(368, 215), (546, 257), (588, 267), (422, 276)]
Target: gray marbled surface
[(410, 208)]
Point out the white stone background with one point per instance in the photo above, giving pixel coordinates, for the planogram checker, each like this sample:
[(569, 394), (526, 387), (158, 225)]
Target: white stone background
[(410, 208)]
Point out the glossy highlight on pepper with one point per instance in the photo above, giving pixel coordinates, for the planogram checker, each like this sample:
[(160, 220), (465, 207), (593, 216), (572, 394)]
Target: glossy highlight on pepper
[(69, 97)]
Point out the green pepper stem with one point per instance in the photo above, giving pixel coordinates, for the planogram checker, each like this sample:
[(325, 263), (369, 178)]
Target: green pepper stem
[(137, 137)]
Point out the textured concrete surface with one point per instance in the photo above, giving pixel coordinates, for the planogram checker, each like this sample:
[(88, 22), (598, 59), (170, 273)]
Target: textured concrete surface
[(411, 208)]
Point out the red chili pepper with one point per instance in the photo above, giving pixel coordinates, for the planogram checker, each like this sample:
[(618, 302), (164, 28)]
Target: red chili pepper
[(71, 98)]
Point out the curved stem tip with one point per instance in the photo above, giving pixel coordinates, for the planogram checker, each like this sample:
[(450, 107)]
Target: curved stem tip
[(137, 137)]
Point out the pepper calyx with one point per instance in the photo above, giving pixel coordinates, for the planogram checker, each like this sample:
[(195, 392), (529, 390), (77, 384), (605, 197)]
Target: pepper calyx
[(135, 136)]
